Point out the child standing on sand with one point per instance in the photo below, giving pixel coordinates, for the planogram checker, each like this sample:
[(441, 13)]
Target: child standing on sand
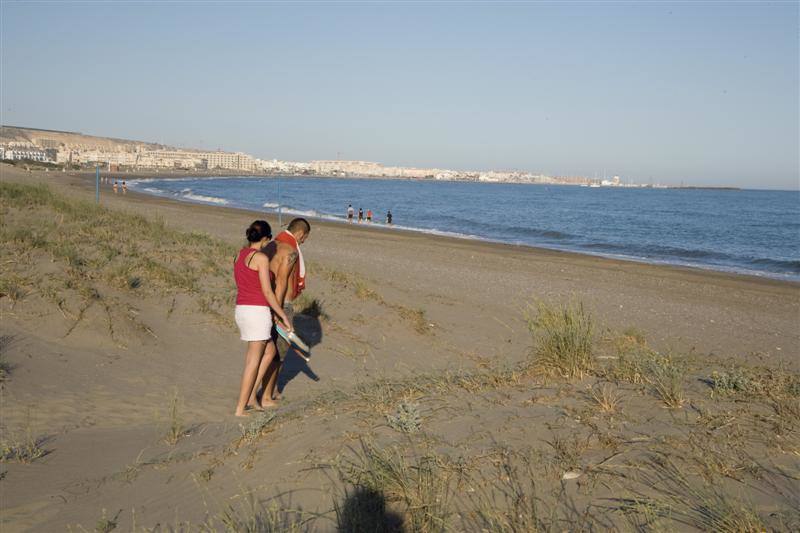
[(255, 303)]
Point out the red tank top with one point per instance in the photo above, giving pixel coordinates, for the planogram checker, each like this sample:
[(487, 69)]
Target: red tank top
[(247, 283)]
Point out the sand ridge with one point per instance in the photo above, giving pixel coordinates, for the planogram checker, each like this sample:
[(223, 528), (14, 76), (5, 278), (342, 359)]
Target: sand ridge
[(407, 318)]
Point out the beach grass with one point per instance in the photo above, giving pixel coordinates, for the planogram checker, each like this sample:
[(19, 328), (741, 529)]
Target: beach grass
[(105, 253), (420, 484), (562, 336), (21, 447)]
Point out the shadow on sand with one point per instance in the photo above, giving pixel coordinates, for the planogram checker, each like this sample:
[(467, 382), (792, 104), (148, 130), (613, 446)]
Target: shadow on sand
[(307, 325), (364, 510)]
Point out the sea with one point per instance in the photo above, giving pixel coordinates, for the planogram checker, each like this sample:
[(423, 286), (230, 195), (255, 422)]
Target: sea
[(753, 232)]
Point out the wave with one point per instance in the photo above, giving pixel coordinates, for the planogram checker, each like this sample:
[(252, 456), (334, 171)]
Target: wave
[(270, 205), (792, 265), (200, 198), (659, 251)]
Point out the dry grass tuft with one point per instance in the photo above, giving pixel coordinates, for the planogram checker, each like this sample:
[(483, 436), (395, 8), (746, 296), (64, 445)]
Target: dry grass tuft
[(423, 487), (175, 429), (251, 516), (606, 397), (697, 504), (563, 339), (23, 448)]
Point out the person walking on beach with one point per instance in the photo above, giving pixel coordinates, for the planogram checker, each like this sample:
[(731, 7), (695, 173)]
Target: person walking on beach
[(124, 187), (288, 272), (369, 216), (389, 218), (115, 187), (360, 215), (255, 304), (350, 213)]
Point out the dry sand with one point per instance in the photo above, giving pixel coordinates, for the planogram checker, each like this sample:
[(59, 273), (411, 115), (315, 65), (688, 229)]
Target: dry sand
[(97, 385)]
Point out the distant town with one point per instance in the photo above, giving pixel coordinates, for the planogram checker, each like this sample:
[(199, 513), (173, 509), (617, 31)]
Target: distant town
[(64, 149)]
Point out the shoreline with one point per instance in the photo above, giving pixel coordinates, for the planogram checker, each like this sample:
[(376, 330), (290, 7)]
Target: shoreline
[(437, 233), (669, 299)]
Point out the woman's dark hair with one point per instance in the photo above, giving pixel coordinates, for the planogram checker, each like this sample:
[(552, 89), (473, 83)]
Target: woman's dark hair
[(258, 230)]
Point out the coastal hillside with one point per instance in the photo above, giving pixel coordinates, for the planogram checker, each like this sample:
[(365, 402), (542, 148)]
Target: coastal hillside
[(54, 139), (452, 385)]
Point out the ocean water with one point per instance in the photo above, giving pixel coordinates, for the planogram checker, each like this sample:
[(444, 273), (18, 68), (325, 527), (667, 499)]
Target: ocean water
[(747, 231)]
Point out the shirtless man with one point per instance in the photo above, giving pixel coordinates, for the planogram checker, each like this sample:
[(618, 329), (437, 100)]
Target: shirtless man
[(287, 271)]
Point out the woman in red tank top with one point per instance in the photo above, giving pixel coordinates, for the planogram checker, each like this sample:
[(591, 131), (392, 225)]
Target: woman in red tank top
[(254, 301)]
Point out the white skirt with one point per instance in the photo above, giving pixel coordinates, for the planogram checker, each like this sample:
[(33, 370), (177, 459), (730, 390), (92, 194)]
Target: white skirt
[(254, 321)]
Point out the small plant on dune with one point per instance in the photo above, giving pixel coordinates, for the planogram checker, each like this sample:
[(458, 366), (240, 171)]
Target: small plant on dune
[(568, 451), (755, 382), (24, 449), (175, 430), (406, 418), (364, 292), (642, 366), (424, 487), (105, 524), (5, 366), (563, 339), (508, 501), (251, 516), (666, 378), (606, 398), (634, 335), (693, 503), (730, 382), (12, 289), (258, 426), (417, 318)]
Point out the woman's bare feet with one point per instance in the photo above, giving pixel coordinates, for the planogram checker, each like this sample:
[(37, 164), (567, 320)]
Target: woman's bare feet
[(242, 414), (254, 407), (269, 404)]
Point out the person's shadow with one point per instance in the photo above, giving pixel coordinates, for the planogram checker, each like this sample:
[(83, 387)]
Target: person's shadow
[(307, 325), (364, 510)]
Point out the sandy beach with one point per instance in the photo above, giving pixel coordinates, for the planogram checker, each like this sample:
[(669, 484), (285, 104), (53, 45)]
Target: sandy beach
[(125, 378)]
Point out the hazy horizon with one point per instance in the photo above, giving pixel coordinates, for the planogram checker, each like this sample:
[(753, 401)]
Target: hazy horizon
[(705, 94)]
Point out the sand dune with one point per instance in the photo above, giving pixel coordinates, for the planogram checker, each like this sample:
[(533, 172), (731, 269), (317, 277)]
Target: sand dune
[(122, 366)]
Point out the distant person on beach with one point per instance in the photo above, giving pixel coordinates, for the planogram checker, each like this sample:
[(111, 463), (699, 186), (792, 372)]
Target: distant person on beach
[(115, 187), (360, 215), (288, 273), (350, 213), (369, 216), (389, 218), (255, 304), (124, 188)]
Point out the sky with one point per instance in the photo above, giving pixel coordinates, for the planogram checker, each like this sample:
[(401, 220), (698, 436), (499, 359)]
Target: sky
[(699, 93)]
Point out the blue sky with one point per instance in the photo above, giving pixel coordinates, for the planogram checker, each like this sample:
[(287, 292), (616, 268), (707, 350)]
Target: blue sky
[(704, 93)]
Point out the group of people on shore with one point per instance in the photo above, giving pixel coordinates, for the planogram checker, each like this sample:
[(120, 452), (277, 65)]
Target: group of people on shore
[(116, 185), (268, 272), (351, 214)]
